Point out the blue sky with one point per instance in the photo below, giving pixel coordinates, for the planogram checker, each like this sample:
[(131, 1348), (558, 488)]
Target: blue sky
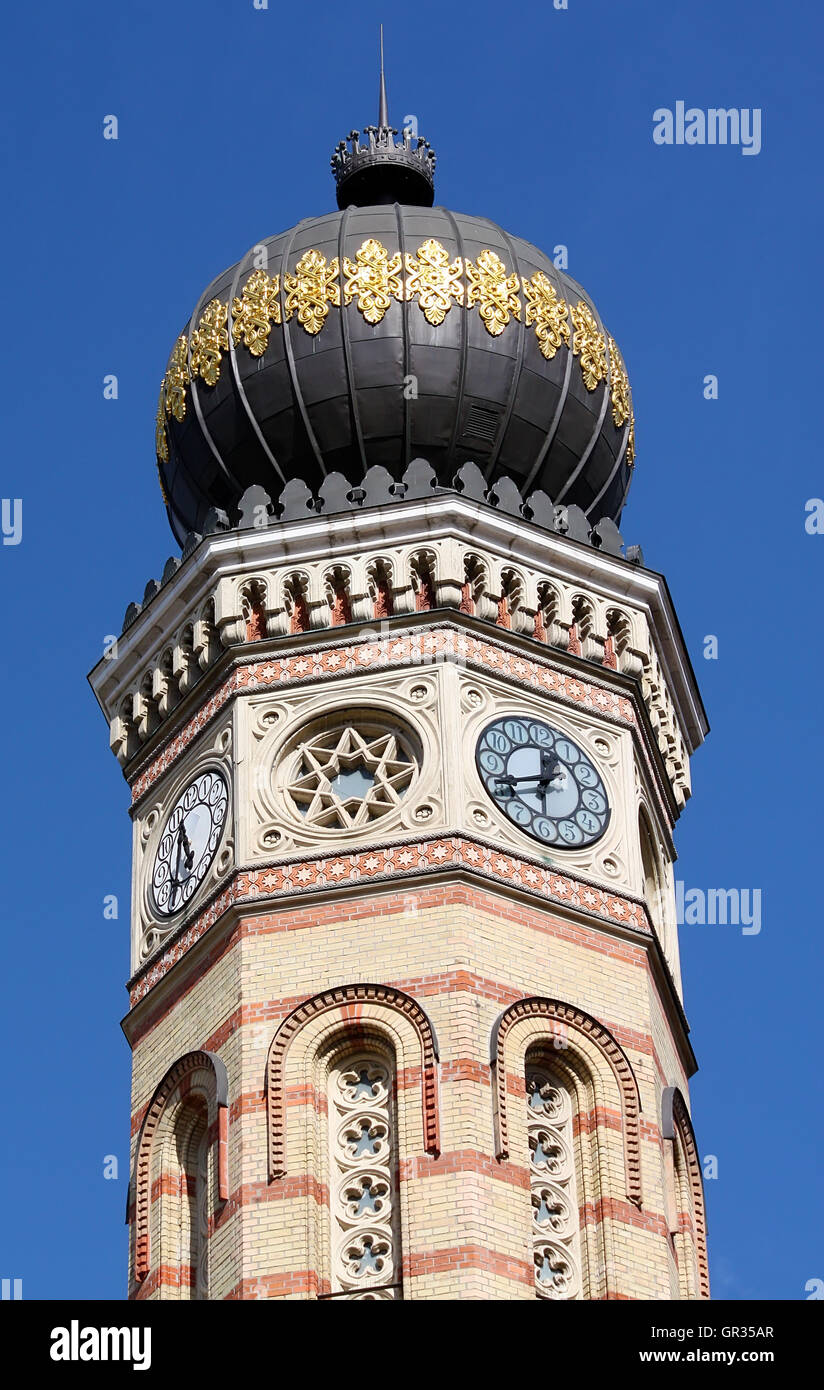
[(702, 261)]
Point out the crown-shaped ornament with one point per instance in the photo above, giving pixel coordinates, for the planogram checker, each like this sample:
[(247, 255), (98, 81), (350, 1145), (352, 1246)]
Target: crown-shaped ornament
[(381, 169)]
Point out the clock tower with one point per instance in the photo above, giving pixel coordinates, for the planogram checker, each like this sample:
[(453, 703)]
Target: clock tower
[(407, 728)]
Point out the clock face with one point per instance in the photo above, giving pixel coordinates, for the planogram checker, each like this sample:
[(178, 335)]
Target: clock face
[(543, 782), (189, 842)]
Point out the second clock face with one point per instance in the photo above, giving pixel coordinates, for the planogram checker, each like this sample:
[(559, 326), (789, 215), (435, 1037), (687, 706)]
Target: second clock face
[(543, 782), (189, 842)]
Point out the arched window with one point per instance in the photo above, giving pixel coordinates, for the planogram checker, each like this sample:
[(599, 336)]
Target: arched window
[(423, 581), (653, 890), (180, 1178), (296, 603), (547, 627), (341, 1053), (657, 891), (512, 594), (379, 579), (571, 1074), (181, 1219), (553, 1188), (253, 610), (474, 583), (337, 586), (684, 1189), (364, 1235)]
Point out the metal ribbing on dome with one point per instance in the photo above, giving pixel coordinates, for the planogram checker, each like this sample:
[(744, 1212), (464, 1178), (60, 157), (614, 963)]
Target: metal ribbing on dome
[(382, 333)]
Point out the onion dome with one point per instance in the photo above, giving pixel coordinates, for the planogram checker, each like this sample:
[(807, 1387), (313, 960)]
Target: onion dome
[(387, 331)]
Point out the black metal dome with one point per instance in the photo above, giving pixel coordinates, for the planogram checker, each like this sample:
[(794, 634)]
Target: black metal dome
[(375, 335)]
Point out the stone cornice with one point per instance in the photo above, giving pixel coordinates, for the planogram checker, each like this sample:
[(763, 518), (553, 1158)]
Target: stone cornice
[(287, 884), (441, 517)]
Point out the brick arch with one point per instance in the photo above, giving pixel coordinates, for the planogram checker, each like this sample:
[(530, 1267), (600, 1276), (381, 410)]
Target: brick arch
[(180, 1075), (351, 1001), (585, 1027), (675, 1118)]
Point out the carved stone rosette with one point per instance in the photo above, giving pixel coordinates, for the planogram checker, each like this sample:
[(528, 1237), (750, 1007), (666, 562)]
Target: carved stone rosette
[(555, 1243), (362, 1168)]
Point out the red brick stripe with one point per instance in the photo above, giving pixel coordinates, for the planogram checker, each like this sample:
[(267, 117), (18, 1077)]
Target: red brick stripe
[(463, 1257)]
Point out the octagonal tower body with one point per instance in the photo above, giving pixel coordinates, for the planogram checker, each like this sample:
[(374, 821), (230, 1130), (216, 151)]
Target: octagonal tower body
[(436, 936), (400, 1029)]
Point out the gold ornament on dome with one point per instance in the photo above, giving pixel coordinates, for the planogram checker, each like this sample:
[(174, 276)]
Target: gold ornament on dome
[(621, 403), (621, 398), (162, 488), (373, 278), (256, 311), (177, 379), (548, 314), (434, 280), (311, 290), (630, 454), (495, 292), (161, 442), (589, 345), (209, 341)]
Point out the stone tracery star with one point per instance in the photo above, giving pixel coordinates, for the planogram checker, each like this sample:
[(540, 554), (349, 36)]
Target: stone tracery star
[(330, 756)]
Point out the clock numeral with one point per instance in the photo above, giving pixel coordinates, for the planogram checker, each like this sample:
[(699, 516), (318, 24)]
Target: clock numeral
[(594, 802), (541, 735), (544, 828), (570, 832), (586, 775), (567, 751), (490, 762), (519, 813), (587, 822), (498, 741), (516, 731)]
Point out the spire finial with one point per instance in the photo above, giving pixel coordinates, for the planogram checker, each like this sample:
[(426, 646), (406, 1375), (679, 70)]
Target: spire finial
[(381, 171), (383, 109)]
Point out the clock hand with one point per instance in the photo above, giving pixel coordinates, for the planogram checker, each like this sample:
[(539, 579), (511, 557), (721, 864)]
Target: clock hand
[(549, 773), (175, 877), (189, 852), (184, 849)]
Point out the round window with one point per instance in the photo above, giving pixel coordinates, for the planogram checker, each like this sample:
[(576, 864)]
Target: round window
[(343, 772)]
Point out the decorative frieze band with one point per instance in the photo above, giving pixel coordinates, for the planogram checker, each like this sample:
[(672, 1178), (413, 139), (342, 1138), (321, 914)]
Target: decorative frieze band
[(413, 647), (400, 861)]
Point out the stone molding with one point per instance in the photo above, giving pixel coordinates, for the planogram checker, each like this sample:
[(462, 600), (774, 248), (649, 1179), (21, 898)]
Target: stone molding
[(355, 1005), (241, 590), (549, 1012), (395, 863), (184, 1069), (675, 1118), (411, 649)]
